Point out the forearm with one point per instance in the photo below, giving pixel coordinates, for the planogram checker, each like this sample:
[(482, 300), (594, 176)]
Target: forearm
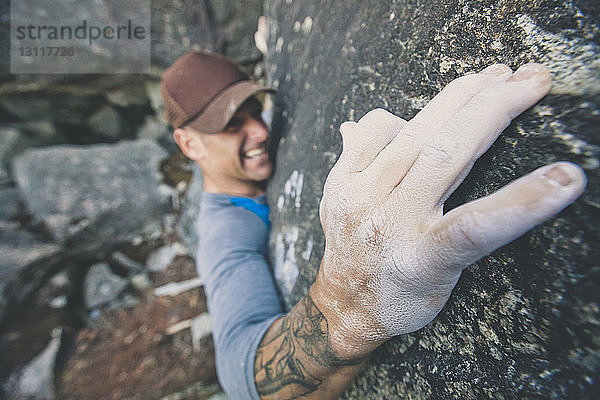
[(295, 357)]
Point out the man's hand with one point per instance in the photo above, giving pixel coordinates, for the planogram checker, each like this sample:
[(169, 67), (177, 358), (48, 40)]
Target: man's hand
[(391, 256)]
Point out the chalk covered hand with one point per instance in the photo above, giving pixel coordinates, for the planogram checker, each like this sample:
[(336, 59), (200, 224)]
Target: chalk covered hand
[(391, 256)]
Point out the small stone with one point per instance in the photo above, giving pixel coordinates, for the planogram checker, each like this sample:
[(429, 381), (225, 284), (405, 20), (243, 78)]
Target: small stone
[(160, 259), (102, 286), (35, 380), (141, 281), (200, 327)]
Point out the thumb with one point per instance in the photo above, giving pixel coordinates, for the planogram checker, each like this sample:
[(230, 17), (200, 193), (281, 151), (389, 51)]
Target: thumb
[(475, 229)]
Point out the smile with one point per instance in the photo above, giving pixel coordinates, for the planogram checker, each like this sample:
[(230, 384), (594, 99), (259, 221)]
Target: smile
[(254, 153)]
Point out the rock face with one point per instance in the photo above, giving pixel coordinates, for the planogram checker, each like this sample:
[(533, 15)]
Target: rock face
[(238, 20), (522, 322), (180, 25)]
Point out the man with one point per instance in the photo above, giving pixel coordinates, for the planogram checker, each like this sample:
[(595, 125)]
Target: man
[(391, 256)]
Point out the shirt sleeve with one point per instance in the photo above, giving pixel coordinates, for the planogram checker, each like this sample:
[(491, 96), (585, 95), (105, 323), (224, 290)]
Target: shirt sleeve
[(241, 294)]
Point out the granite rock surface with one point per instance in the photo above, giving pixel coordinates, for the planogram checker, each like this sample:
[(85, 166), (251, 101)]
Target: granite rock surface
[(523, 322)]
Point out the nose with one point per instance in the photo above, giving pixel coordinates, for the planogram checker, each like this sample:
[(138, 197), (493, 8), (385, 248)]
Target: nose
[(256, 129)]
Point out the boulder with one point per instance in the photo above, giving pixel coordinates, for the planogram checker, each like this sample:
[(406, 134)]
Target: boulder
[(522, 322), (95, 196)]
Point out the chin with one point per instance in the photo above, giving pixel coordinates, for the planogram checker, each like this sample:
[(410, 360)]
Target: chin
[(263, 176), (263, 172)]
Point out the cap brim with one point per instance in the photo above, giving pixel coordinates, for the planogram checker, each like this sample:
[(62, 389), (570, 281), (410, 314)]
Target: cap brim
[(214, 118)]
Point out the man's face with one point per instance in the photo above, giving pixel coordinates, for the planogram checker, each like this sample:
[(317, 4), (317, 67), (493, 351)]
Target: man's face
[(239, 154)]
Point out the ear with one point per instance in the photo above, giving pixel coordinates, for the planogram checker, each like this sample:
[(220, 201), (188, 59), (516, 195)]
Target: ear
[(190, 143)]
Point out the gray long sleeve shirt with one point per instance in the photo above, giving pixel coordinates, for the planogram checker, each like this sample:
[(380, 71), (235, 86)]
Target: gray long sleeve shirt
[(241, 294)]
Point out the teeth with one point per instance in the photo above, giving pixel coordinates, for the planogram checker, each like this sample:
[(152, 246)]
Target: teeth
[(254, 153)]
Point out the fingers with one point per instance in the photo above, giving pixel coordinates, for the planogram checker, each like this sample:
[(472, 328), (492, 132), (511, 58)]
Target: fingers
[(393, 162), (365, 139), (453, 97), (445, 161), (475, 229)]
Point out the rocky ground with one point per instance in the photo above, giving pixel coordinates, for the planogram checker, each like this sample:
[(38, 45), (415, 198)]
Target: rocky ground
[(146, 351)]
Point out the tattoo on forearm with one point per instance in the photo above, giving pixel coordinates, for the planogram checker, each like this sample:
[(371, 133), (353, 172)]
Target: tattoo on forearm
[(302, 334)]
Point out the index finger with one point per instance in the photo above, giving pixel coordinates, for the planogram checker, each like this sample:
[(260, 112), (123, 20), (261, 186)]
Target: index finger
[(445, 161)]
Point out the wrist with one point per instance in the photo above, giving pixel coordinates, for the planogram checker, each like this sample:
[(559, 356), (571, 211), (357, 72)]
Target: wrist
[(352, 332)]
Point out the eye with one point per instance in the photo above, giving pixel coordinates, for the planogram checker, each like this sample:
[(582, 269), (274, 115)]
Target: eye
[(257, 115), (234, 124)]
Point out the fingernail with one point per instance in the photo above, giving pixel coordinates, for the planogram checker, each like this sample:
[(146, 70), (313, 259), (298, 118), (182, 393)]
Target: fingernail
[(496, 69), (528, 71), (559, 175)]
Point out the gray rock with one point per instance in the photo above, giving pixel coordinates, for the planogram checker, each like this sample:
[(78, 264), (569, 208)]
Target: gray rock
[(24, 260), (191, 209), (55, 86), (160, 259), (130, 95), (238, 20), (155, 128), (17, 137), (106, 122), (40, 132), (178, 26), (102, 286), (18, 249), (10, 200), (522, 322), (54, 106), (94, 195), (9, 146), (35, 381)]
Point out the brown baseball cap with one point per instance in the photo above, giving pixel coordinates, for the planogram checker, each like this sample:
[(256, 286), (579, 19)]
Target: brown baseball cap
[(204, 90)]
